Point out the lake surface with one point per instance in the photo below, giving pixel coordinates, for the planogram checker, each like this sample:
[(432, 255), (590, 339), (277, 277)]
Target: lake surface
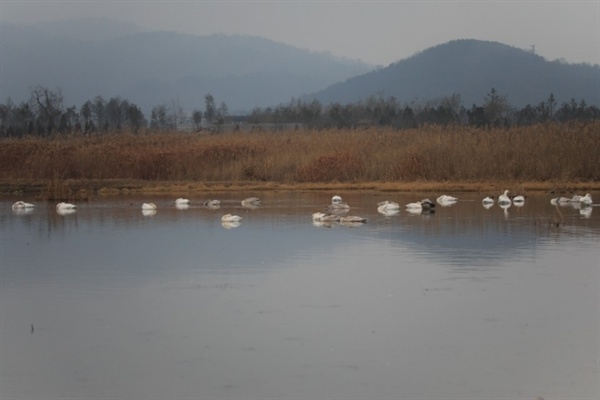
[(464, 303)]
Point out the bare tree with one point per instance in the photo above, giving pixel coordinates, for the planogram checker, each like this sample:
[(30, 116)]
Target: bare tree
[(161, 118), (197, 118), (48, 106), (210, 110)]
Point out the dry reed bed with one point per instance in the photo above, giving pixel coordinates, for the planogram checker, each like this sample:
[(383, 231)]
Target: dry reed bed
[(553, 152)]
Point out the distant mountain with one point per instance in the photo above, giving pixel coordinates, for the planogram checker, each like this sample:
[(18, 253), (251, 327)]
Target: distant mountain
[(471, 68), (91, 57), (87, 58)]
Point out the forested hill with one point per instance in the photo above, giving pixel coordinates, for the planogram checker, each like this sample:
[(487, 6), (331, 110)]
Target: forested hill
[(88, 58), (470, 68)]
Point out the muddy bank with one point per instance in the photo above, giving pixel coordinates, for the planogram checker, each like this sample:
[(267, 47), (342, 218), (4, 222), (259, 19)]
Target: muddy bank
[(80, 189)]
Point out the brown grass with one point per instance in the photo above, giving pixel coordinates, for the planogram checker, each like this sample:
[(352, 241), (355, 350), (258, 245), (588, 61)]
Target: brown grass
[(544, 156)]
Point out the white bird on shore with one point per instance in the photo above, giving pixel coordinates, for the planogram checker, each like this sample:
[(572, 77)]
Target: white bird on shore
[(149, 206), (19, 205), (504, 199), (231, 218)]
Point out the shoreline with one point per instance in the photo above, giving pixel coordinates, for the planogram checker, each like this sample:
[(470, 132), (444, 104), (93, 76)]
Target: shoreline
[(81, 189)]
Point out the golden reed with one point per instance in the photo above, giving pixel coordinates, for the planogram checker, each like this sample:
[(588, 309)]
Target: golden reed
[(560, 153)]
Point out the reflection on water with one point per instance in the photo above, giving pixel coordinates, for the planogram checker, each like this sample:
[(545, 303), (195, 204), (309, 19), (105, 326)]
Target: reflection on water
[(464, 302)]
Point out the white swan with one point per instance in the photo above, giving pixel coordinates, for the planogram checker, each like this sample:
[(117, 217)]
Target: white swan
[(504, 199), (414, 206), (180, 201), (318, 216), (414, 211), (443, 199), (149, 206), (576, 198), (231, 218), (65, 206), (560, 200), (212, 203), (336, 199), (487, 200), (421, 205), (586, 200), (518, 200), (19, 205), (251, 201), (387, 206)]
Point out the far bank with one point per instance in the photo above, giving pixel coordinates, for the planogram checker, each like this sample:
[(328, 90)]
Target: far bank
[(84, 190)]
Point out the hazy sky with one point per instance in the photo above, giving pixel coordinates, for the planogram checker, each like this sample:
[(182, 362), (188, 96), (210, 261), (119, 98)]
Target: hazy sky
[(378, 32)]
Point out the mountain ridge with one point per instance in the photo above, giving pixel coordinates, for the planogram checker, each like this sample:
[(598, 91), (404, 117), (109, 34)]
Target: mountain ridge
[(470, 68), (150, 68), (127, 65)]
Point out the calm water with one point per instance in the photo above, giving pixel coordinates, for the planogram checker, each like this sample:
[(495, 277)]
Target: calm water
[(465, 303)]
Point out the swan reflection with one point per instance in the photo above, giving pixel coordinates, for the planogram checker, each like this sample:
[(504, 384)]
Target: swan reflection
[(148, 212), (230, 224), (65, 211), (586, 212), (388, 213)]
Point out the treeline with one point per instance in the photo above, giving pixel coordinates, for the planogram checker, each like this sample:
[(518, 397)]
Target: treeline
[(375, 111), (45, 114)]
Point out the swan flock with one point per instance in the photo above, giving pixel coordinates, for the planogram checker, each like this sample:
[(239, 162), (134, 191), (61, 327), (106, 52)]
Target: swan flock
[(337, 211)]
